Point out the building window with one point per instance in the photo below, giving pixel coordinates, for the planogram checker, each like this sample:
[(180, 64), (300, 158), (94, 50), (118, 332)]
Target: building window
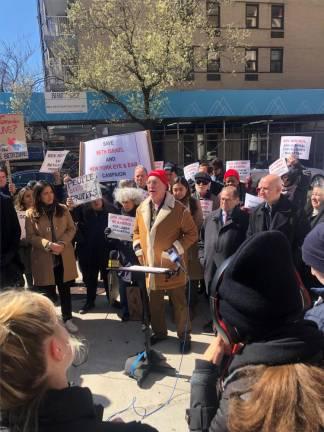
[(213, 66), (276, 60), (252, 16), (213, 12), (277, 17), (251, 58)]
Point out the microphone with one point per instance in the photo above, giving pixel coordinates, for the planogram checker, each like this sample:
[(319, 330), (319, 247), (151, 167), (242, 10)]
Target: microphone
[(175, 258), (113, 260)]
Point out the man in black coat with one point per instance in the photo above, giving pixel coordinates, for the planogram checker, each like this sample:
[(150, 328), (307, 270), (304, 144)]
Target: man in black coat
[(222, 233), (278, 213), (10, 265)]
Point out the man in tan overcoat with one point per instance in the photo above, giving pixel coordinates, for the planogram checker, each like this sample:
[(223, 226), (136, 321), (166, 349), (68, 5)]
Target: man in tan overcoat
[(163, 223)]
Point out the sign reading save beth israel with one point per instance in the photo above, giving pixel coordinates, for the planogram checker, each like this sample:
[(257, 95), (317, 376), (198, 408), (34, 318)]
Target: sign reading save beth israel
[(114, 158)]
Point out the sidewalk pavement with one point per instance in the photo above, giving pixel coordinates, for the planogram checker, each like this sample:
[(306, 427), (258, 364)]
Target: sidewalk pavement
[(112, 341)]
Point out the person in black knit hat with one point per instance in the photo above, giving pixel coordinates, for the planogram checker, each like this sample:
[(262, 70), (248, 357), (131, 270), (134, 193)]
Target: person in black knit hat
[(265, 365), (313, 256)]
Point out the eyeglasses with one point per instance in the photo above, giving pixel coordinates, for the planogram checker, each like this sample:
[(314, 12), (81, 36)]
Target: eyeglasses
[(203, 182)]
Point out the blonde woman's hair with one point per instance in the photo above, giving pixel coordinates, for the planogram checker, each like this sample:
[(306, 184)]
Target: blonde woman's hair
[(287, 398), (26, 320)]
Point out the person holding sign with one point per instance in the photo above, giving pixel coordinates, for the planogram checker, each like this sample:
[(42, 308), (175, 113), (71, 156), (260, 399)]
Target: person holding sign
[(163, 232), (296, 182), (129, 198), (50, 230), (208, 201)]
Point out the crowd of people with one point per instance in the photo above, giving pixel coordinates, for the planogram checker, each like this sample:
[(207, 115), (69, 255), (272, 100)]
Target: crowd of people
[(256, 267)]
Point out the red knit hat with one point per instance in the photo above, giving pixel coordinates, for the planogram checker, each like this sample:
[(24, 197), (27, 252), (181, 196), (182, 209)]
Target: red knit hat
[(161, 174), (232, 173)]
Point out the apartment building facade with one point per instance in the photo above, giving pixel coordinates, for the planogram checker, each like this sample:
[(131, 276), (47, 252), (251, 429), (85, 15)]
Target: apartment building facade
[(285, 46)]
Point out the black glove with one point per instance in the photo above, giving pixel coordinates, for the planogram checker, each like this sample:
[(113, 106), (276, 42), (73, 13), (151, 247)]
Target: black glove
[(107, 233)]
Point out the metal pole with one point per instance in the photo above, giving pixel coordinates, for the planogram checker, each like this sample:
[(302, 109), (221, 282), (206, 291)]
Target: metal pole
[(224, 140), (178, 141), (268, 138)]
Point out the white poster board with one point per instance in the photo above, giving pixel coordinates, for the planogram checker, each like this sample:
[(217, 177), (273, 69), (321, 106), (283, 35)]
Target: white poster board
[(252, 201), (158, 165), (84, 189), (115, 157), (13, 145), (243, 167), (122, 227), (190, 170), (22, 222), (53, 161), (279, 167), (298, 146), (206, 207)]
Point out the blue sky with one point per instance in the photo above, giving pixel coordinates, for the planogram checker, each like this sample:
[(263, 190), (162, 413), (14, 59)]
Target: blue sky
[(18, 23)]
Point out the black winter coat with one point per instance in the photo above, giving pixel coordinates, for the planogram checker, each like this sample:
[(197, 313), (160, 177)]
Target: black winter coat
[(301, 342), (292, 222), (91, 247), (11, 267), (218, 241), (72, 410)]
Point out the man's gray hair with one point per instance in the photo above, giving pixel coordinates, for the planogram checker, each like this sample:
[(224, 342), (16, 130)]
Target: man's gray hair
[(129, 194), (141, 167)]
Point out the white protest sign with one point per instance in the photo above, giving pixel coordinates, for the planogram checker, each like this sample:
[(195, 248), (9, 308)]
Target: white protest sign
[(84, 189), (206, 207), (53, 161), (158, 165), (122, 227), (298, 146), (13, 144), (190, 170), (279, 167), (22, 222), (115, 157), (252, 201), (243, 167)]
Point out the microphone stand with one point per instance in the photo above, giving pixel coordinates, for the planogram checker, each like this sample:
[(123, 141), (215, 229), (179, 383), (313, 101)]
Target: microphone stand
[(141, 364)]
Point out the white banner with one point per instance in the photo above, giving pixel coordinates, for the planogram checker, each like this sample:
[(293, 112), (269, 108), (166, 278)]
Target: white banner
[(298, 146), (206, 207), (279, 167), (252, 201), (66, 102), (114, 158), (190, 170), (122, 227), (84, 189), (53, 161), (22, 222), (243, 167)]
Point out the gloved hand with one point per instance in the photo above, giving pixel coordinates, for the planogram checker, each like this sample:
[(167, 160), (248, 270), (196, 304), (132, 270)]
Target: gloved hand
[(107, 233)]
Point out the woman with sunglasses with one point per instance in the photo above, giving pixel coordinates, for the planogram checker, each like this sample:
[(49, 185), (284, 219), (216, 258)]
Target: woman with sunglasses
[(264, 370)]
